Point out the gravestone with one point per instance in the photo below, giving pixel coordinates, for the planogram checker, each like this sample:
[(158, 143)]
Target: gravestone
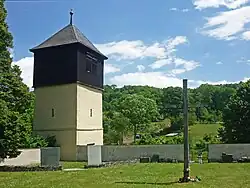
[(144, 159), (94, 155), (50, 156)]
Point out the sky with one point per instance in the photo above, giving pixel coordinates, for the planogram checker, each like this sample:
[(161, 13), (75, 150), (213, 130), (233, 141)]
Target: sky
[(155, 43)]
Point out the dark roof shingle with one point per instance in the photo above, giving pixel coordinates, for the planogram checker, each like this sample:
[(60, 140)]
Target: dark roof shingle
[(68, 35)]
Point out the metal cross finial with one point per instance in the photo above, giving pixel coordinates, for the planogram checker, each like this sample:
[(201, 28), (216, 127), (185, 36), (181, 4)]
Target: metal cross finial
[(71, 16)]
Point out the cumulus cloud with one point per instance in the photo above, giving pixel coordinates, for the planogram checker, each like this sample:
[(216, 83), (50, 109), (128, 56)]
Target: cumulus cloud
[(131, 50), (26, 66), (109, 68), (228, 25), (156, 79), (246, 35), (181, 10), (186, 65), (160, 63), (199, 82), (160, 80), (140, 68), (219, 63), (230, 4), (177, 71), (163, 53)]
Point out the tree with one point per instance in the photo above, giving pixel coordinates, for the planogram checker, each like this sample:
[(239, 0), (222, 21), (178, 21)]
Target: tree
[(118, 127), (172, 101), (12, 131), (15, 99), (140, 111), (236, 117)]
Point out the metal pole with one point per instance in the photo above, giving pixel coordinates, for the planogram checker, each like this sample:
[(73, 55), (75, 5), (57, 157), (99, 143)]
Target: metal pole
[(186, 145)]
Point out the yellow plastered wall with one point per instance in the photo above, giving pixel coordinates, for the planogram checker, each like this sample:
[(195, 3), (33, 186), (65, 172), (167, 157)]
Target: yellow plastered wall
[(71, 112), (62, 122), (89, 116)]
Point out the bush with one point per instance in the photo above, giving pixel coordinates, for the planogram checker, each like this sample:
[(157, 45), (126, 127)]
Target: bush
[(51, 141), (147, 139), (37, 141)]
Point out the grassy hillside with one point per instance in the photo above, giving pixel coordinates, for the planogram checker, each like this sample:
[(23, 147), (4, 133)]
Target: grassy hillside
[(197, 131)]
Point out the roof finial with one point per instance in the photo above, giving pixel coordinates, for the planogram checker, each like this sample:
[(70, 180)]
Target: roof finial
[(71, 16)]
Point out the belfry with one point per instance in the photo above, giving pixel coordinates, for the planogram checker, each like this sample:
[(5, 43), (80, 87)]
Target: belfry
[(68, 85)]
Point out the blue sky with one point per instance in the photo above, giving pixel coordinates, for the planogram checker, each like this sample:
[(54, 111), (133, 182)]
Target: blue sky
[(147, 42)]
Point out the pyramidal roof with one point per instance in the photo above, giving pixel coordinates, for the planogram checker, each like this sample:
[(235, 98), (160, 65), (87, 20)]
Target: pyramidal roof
[(68, 35)]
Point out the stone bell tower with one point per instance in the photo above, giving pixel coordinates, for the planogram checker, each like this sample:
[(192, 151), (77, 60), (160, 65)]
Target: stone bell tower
[(68, 85)]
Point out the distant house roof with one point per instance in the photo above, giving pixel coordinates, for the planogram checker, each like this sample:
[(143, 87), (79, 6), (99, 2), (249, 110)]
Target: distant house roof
[(172, 134), (68, 35)]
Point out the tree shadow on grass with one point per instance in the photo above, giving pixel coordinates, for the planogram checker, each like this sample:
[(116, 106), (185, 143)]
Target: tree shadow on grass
[(147, 183)]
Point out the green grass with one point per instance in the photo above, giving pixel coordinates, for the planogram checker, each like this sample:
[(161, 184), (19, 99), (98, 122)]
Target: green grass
[(137, 175), (197, 131)]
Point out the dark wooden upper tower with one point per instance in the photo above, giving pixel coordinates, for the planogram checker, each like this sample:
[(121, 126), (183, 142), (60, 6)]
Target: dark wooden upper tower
[(68, 57)]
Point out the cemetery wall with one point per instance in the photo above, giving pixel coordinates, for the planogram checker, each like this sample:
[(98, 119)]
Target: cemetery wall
[(109, 153), (27, 157), (124, 153), (237, 150)]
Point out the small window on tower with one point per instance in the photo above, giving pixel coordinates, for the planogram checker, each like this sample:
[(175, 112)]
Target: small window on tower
[(91, 112), (88, 66), (53, 112), (94, 68)]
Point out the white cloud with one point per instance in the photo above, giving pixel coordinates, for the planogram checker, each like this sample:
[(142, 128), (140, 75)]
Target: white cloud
[(219, 63), (173, 42), (160, 80), (131, 50), (160, 63), (185, 10), (177, 62), (109, 68), (246, 35), (181, 10), (187, 65), (26, 66), (177, 71), (156, 79), (243, 60), (11, 50), (173, 9), (140, 68), (199, 82), (163, 52), (230, 4), (227, 25)]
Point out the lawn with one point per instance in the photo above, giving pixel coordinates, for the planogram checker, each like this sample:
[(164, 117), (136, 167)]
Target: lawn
[(197, 131), (136, 175)]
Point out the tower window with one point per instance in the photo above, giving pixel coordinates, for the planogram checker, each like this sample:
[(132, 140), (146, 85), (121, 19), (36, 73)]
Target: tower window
[(53, 112), (88, 66), (94, 68), (91, 67), (91, 64), (91, 113)]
